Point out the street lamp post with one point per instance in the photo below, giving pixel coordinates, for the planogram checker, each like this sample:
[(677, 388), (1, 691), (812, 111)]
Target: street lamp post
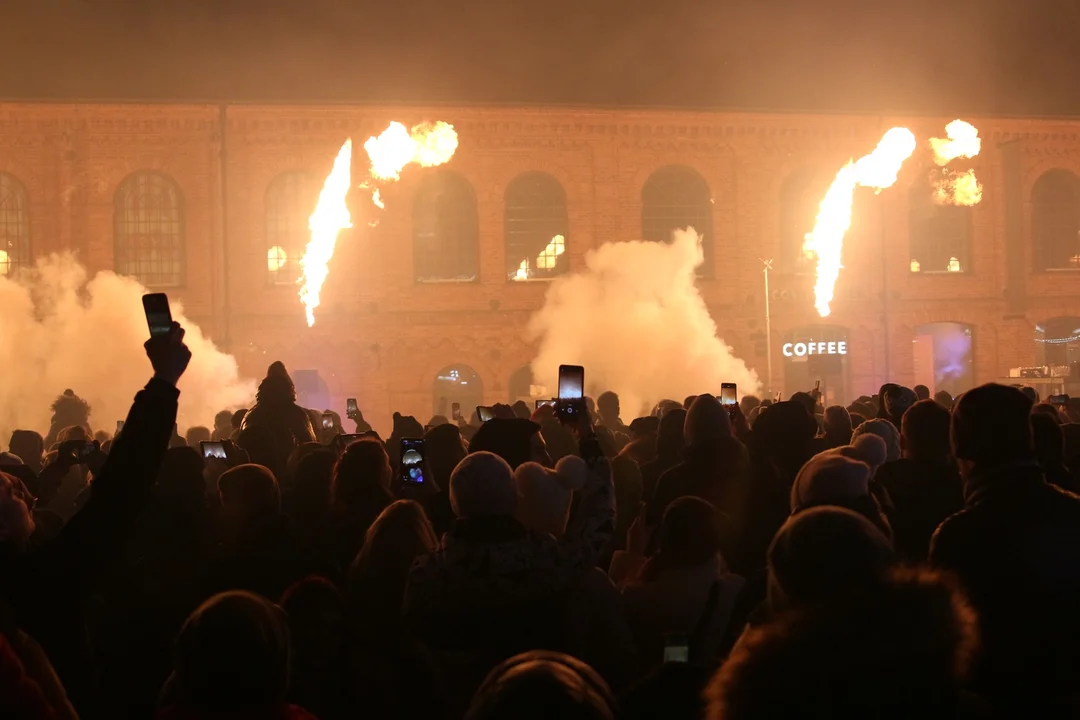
[(768, 330)]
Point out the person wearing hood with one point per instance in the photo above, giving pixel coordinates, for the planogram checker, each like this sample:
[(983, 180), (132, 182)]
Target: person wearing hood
[(838, 480), (669, 445), (894, 402), (494, 587), (275, 409), (68, 410)]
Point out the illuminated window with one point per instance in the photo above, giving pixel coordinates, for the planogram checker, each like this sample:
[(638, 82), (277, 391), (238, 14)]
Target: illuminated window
[(674, 198), (445, 234), (150, 230), (1056, 221), (14, 225), (800, 198), (536, 227), (939, 235), (290, 199)]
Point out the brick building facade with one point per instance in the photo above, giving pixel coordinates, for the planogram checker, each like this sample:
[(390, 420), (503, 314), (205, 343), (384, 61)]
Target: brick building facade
[(191, 197)]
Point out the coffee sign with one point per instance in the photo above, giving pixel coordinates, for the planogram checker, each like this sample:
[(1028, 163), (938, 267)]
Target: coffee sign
[(802, 349)]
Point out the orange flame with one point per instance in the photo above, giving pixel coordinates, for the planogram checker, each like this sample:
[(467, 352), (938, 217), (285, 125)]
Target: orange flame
[(428, 144), (546, 260), (877, 170), (331, 216), (953, 187)]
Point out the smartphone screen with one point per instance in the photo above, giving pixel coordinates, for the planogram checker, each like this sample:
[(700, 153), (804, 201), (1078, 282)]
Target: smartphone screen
[(412, 461), (327, 421), (455, 412), (571, 382), (1058, 399), (213, 450), (729, 394), (542, 403), (119, 425), (485, 412), (676, 649), (158, 315), (351, 408)]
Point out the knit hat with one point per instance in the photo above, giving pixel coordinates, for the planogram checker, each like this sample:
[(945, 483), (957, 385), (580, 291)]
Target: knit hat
[(544, 495), (884, 430), (896, 400), (829, 479), (482, 485), (866, 448), (9, 459)]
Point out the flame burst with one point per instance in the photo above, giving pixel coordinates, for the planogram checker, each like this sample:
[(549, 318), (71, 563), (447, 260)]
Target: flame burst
[(427, 145), (546, 260), (331, 216), (877, 170), (953, 187)]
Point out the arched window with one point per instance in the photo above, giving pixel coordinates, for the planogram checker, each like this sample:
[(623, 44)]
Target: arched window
[(943, 357), (149, 217), (1055, 203), (939, 235), (800, 198), (674, 198), (445, 235), (457, 384), (290, 200), (14, 225), (536, 227)]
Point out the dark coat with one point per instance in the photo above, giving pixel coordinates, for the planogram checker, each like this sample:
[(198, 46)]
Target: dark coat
[(288, 422), (1016, 549), (47, 587), (921, 495)]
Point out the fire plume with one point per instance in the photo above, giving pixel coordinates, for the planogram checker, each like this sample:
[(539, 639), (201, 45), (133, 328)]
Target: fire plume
[(877, 170), (954, 187), (427, 145), (331, 216), (546, 260)]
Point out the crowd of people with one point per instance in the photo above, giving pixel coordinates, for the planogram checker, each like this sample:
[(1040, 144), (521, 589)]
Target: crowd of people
[(900, 557)]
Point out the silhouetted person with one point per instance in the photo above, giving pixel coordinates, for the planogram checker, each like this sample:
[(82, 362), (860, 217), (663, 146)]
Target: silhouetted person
[(833, 479), (275, 409), (608, 408), (924, 486), (669, 445), (319, 663), (46, 588), (1050, 450), (922, 392), (232, 661), (30, 447), (68, 410), (894, 402), (360, 490), (837, 428), (543, 685), (1015, 547), (944, 399), (444, 448), (515, 440)]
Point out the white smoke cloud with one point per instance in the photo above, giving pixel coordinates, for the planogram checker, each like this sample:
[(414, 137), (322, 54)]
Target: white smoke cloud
[(636, 322), (61, 331)]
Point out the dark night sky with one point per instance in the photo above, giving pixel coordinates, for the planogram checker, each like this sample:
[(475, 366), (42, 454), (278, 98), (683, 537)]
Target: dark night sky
[(974, 56)]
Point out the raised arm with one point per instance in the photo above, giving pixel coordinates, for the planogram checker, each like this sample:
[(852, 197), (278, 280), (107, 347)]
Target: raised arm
[(98, 532)]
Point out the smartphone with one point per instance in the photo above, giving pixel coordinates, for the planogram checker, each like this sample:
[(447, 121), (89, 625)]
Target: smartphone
[(1058, 399), (87, 450), (119, 425), (485, 412), (542, 403), (351, 409), (158, 315), (213, 450), (729, 397), (327, 421), (412, 461), (455, 411), (676, 649), (571, 382)]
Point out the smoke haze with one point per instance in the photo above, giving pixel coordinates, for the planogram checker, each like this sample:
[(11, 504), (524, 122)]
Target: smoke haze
[(61, 331), (635, 320)]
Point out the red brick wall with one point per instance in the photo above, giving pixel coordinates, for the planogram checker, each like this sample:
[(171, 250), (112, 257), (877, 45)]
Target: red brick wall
[(382, 337)]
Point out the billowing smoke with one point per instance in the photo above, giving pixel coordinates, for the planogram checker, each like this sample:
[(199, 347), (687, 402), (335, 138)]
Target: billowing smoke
[(61, 331), (635, 320)]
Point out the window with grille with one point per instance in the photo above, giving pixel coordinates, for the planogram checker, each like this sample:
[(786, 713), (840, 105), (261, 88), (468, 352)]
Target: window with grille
[(800, 199), (939, 235), (445, 234), (1056, 221), (150, 230), (14, 225), (290, 201), (675, 198), (536, 227)]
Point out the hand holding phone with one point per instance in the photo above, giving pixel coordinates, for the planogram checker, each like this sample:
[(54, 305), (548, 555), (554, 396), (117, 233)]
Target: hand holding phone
[(158, 314), (676, 649), (485, 412), (328, 421), (571, 407), (455, 412), (213, 450), (729, 398), (352, 410)]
